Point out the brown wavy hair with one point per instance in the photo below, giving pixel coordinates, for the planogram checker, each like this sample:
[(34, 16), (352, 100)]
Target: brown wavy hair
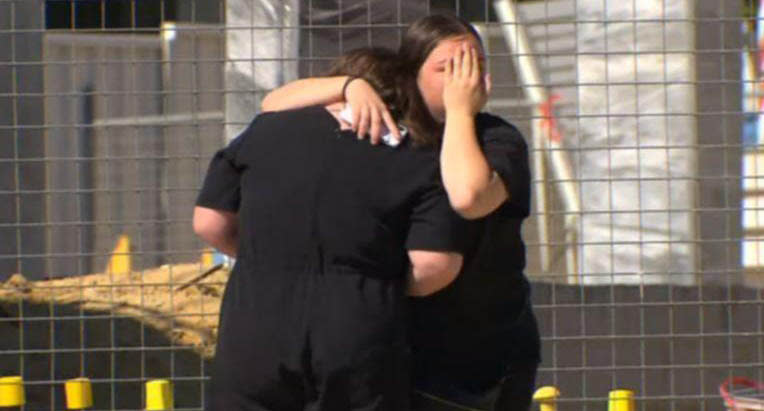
[(420, 39), (378, 66)]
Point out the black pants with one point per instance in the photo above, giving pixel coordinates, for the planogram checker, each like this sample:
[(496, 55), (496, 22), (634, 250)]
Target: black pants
[(300, 342), (513, 393)]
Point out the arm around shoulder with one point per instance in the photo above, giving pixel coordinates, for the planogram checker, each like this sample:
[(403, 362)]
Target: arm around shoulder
[(304, 92)]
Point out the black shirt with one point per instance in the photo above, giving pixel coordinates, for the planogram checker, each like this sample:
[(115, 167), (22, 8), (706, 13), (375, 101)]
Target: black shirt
[(484, 316), (307, 193), (317, 294)]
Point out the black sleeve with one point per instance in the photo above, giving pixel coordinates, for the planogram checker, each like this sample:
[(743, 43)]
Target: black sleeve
[(435, 226), (221, 189), (507, 153)]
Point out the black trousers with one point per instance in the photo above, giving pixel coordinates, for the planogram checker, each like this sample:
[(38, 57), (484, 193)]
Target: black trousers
[(513, 393), (294, 341)]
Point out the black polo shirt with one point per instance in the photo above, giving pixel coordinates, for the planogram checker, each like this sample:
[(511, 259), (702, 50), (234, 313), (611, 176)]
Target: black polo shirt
[(318, 291), (307, 193), (482, 321)]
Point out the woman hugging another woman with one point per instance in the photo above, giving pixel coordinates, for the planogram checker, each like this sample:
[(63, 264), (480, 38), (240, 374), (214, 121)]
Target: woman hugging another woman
[(475, 343)]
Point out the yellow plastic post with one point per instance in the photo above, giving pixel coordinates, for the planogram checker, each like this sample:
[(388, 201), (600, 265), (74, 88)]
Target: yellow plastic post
[(159, 395), (12, 392), (120, 261), (547, 398), (79, 394), (621, 400), (208, 257)]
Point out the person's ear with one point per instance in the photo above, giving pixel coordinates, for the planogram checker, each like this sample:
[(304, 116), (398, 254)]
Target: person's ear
[(487, 82)]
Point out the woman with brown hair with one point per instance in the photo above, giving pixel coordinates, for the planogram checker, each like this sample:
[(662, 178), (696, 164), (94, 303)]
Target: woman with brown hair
[(323, 227), (475, 343)]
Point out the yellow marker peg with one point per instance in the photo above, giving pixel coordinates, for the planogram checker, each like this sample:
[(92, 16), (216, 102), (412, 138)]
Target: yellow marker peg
[(79, 394), (12, 392), (547, 398), (159, 395), (120, 261), (208, 257), (621, 400)]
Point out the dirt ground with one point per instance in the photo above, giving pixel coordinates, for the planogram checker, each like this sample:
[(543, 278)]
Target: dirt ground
[(119, 330)]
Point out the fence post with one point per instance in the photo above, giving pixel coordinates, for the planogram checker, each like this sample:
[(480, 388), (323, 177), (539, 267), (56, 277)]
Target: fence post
[(12, 392), (621, 400), (547, 398), (79, 394), (159, 395)]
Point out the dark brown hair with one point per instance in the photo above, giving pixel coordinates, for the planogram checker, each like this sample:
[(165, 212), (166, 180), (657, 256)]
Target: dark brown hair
[(378, 66), (420, 39)]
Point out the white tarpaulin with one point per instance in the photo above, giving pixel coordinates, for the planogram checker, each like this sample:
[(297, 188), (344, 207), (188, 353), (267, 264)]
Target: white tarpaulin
[(636, 135), (261, 52), (270, 41)]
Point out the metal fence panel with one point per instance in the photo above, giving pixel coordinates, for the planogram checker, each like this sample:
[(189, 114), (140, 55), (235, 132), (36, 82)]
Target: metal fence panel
[(645, 246)]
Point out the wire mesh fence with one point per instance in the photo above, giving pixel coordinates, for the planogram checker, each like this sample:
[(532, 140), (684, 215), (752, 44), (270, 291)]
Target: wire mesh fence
[(645, 245)]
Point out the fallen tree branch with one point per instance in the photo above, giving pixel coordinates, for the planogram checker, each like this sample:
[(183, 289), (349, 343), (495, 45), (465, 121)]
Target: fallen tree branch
[(199, 277)]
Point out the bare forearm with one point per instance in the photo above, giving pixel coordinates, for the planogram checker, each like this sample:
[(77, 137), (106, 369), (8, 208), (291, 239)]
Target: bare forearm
[(432, 271), (217, 228), (467, 176), (423, 286), (473, 188), (305, 92), (228, 244)]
